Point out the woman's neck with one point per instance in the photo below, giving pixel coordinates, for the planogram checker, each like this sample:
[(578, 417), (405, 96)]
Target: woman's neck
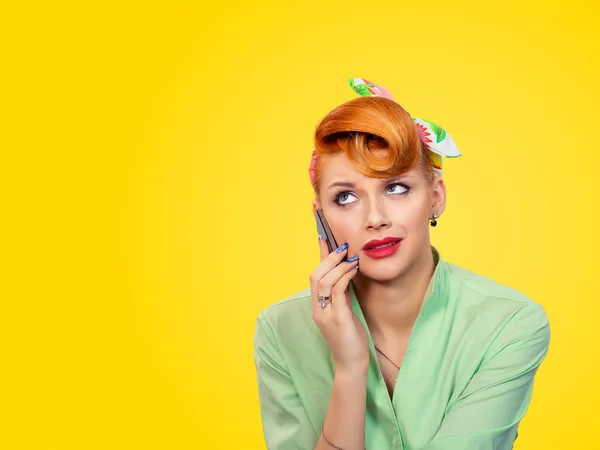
[(391, 309)]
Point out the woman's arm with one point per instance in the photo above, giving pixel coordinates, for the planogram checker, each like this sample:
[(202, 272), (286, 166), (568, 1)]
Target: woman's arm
[(286, 425), (487, 413), (344, 425)]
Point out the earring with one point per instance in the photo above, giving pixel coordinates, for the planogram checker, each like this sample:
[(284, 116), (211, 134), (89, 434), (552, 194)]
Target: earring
[(435, 216)]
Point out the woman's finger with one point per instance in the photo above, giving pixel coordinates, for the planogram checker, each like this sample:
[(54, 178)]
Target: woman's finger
[(340, 294), (319, 313), (322, 285), (326, 284), (320, 271), (323, 247), (331, 259)]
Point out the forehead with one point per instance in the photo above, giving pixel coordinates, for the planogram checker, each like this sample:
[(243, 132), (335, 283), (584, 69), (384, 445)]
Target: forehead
[(337, 165)]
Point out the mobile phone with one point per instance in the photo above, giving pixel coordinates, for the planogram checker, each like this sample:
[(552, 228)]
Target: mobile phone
[(325, 231)]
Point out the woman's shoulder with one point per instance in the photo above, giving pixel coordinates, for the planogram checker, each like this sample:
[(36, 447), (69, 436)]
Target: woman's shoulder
[(290, 316), (296, 302), (484, 297)]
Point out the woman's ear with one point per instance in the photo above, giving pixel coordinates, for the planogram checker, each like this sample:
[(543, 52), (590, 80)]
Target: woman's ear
[(438, 195), (316, 205)]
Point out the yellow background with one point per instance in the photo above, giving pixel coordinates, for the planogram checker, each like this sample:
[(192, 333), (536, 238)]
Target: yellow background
[(155, 197)]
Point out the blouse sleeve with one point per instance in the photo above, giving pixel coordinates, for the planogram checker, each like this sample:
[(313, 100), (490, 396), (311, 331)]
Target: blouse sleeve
[(284, 419), (487, 413)]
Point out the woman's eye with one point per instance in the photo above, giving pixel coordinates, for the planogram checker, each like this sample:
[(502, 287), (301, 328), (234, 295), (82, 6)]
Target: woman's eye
[(401, 189), (343, 197)]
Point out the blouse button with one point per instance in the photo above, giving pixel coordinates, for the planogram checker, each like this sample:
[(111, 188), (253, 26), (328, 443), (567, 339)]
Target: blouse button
[(395, 441)]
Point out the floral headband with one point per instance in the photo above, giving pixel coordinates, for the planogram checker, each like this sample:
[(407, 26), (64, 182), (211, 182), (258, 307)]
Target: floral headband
[(434, 138)]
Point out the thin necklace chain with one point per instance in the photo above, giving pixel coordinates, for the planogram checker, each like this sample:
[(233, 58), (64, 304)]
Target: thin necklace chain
[(386, 357)]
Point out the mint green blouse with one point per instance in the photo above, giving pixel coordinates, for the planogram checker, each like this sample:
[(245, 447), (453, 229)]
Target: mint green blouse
[(464, 384)]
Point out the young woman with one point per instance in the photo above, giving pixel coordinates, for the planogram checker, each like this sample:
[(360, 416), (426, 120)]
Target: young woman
[(415, 353)]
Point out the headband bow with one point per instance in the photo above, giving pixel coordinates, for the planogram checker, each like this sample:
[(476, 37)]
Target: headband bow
[(437, 140)]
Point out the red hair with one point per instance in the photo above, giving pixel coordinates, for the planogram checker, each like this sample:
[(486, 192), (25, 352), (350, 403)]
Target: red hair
[(368, 123)]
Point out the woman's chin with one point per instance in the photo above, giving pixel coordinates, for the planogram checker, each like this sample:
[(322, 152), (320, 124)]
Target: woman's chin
[(380, 271)]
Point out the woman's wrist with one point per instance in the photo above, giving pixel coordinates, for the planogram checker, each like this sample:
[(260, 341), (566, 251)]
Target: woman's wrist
[(355, 369), (354, 376)]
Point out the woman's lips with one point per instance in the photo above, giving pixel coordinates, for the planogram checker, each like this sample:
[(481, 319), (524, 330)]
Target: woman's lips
[(380, 242), (383, 252)]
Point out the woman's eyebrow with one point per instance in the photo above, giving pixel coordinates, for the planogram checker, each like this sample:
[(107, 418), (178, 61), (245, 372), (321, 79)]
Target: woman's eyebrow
[(342, 183), (352, 185)]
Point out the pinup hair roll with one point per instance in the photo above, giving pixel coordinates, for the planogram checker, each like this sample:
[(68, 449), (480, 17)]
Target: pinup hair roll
[(371, 123)]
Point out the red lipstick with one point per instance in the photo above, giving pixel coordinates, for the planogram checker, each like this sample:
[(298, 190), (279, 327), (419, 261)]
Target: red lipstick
[(382, 248)]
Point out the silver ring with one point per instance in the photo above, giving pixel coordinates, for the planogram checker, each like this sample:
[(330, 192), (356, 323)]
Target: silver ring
[(323, 300)]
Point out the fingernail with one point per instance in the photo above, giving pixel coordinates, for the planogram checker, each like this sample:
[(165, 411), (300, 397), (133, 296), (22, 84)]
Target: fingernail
[(320, 238), (342, 247), (354, 258)]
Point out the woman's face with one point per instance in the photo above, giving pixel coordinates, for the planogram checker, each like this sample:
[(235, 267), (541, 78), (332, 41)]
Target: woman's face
[(375, 209)]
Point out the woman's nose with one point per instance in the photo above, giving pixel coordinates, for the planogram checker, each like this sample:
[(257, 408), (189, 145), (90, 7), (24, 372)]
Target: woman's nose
[(376, 216)]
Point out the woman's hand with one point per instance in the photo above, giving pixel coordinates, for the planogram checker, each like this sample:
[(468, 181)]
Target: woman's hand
[(344, 333)]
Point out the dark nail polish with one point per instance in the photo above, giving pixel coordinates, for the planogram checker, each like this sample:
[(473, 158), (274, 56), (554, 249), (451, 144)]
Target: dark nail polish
[(342, 247), (354, 258)]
